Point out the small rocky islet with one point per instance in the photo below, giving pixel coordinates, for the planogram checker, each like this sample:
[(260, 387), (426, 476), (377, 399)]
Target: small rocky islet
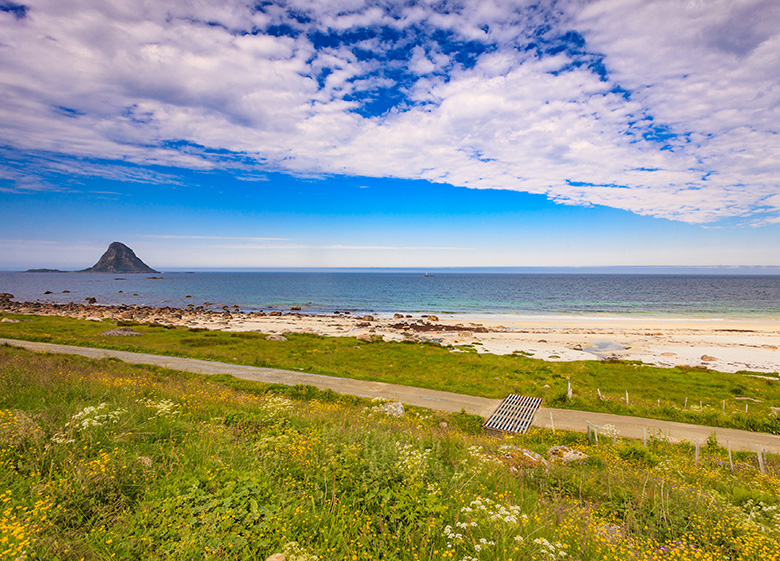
[(117, 259)]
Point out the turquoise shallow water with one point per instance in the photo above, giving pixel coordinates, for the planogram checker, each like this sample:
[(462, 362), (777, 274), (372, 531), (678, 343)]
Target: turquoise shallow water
[(683, 296)]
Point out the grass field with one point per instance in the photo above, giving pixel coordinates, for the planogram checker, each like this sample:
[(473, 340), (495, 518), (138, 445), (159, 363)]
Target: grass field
[(104, 460), (653, 392)]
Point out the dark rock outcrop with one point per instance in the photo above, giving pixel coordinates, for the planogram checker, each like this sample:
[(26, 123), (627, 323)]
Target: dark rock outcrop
[(119, 258)]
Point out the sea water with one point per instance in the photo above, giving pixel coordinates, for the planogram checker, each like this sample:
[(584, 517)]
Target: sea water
[(634, 295)]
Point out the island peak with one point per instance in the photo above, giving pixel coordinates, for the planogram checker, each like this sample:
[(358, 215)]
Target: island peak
[(119, 258)]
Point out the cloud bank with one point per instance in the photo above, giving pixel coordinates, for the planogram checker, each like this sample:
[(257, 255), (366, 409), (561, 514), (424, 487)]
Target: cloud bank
[(665, 108)]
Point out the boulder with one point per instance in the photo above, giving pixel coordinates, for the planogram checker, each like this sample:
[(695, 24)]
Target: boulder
[(394, 409), (565, 454), (433, 318), (121, 332), (708, 358), (9, 320), (276, 338), (522, 457), (612, 533)]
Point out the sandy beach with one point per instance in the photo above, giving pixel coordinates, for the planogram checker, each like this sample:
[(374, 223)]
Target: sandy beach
[(725, 345)]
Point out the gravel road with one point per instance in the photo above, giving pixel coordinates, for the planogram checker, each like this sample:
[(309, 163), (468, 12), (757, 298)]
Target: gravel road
[(630, 427)]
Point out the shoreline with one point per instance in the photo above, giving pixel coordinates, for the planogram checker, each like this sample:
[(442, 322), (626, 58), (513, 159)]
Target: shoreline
[(725, 344)]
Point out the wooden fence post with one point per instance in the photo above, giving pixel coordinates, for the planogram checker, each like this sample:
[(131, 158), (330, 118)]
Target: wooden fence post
[(697, 452), (731, 462), (552, 423), (761, 464)]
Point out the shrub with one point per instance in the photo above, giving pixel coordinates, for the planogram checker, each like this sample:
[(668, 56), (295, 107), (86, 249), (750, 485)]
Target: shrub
[(638, 454)]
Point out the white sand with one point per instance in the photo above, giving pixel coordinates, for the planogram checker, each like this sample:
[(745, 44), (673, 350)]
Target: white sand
[(724, 345)]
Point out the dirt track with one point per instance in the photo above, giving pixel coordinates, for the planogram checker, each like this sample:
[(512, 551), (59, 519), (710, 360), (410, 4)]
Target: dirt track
[(631, 427)]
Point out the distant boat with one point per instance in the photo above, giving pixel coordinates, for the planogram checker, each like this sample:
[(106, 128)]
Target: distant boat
[(429, 275)]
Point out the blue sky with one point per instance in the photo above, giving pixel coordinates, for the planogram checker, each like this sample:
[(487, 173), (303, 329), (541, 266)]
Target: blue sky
[(390, 134)]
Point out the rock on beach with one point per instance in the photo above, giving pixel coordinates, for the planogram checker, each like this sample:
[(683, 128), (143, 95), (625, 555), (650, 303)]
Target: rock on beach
[(121, 332)]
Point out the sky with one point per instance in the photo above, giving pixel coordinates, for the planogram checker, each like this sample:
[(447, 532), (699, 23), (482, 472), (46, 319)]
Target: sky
[(351, 133)]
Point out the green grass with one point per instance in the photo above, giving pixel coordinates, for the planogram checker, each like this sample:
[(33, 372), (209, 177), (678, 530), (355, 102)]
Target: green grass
[(179, 467), (431, 366)]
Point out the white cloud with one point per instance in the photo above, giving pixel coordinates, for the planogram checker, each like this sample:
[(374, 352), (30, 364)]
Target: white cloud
[(129, 80)]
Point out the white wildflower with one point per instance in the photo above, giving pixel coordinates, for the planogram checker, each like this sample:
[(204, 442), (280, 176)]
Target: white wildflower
[(90, 416), (610, 431), (59, 438), (275, 406), (163, 408), (411, 461)]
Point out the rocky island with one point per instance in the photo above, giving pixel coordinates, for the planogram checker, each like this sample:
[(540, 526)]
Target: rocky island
[(119, 258)]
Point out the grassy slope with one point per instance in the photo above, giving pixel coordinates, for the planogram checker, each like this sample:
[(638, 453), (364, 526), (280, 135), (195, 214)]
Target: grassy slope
[(430, 366), (177, 466)]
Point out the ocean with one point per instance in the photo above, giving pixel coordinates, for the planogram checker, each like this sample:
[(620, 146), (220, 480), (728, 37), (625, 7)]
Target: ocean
[(483, 294)]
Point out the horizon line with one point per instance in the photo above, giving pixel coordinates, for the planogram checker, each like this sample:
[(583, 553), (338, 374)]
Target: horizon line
[(562, 269)]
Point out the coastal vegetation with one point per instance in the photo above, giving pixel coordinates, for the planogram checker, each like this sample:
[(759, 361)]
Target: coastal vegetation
[(105, 460), (740, 400)]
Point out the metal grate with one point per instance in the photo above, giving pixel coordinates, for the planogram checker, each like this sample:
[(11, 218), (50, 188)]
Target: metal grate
[(515, 414)]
